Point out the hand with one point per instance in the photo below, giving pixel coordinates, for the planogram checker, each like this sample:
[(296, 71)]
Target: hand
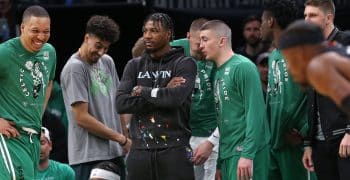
[(175, 81), (8, 129), (136, 91), (127, 146), (344, 148), (244, 169), (218, 174), (307, 159), (293, 137), (202, 153)]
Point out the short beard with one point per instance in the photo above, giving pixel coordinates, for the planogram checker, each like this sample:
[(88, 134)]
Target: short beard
[(253, 43)]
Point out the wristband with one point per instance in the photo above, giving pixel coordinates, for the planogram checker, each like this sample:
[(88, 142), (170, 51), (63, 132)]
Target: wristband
[(124, 143)]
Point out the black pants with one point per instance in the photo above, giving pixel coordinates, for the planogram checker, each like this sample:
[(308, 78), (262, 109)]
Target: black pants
[(328, 164), (160, 164), (82, 171)]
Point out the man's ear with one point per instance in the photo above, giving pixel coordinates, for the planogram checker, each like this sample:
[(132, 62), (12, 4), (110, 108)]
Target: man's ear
[(50, 143), (270, 21), (188, 35), (86, 37), (169, 36), (22, 28), (329, 18), (222, 41)]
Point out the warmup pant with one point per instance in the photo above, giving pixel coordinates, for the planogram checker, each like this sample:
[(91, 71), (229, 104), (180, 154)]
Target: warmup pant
[(327, 162), (160, 164), (260, 166), (286, 164), (207, 170), (82, 171), (19, 157)]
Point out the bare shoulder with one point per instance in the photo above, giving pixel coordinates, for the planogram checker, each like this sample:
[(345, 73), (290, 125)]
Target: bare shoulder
[(327, 61)]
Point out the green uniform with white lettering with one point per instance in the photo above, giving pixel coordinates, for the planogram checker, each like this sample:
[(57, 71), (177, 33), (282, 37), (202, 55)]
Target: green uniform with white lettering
[(202, 115), (56, 171), (24, 77), (287, 110), (242, 119)]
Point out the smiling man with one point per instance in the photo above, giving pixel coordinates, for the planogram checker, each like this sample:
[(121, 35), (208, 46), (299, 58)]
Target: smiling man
[(89, 83), (27, 68)]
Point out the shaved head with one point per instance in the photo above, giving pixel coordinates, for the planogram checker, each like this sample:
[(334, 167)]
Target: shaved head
[(197, 24), (36, 11), (220, 28)]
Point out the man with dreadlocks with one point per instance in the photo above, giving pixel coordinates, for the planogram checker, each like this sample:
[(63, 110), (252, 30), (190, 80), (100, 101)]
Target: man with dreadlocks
[(159, 127)]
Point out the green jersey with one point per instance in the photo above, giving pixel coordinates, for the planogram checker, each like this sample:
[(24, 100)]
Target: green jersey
[(240, 108), (24, 78), (202, 114), (56, 171), (286, 102)]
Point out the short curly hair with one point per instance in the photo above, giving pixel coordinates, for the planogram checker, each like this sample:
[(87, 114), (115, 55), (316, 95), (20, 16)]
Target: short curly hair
[(103, 27), (284, 11)]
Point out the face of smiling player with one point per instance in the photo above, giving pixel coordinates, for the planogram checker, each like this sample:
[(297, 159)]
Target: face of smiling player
[(35, 32)]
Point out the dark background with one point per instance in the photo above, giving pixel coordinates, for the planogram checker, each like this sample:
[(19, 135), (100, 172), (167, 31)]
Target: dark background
[(68, 24)]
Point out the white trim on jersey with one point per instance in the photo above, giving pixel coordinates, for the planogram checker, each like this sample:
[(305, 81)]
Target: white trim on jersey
[(8, 157), (3, 156)]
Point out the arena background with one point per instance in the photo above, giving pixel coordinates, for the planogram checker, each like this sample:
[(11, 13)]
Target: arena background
[(68, 21)]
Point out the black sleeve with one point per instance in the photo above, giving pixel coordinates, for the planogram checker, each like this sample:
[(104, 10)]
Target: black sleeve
[(345, 107), (311, 116), (125, 102), (174, 97), (343, 37)]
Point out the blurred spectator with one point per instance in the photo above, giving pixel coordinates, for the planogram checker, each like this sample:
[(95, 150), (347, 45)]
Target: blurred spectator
[(58, 137), (139, 48), (262, 64), (55, 119), (253, 45), (50, 169)]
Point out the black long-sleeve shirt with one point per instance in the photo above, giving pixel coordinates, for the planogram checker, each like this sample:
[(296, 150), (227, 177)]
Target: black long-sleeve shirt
[(160, 114), (323, 112)]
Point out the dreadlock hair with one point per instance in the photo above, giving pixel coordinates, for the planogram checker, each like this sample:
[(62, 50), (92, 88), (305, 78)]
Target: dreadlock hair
[(103, 27), (36, 11), (163, 20), (284, 11)]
